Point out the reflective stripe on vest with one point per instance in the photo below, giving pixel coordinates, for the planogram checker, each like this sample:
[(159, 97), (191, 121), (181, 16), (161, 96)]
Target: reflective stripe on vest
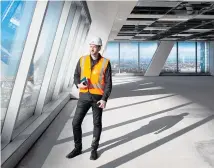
[(102, 70), (82, 66)]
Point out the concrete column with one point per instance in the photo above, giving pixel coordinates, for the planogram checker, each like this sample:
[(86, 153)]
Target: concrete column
[(211, 53), (111, 14), (101, 25), (159, 58)]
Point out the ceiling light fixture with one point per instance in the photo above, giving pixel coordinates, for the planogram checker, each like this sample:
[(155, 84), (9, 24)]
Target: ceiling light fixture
[(173, 19), (198, 30), (156, 28), (119, 19), (182, 35)]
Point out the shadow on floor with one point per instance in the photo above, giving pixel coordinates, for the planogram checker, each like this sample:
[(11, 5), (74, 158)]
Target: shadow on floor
[(157, 126), (124, 123), (199, 90), (128, 105), (130, 156)]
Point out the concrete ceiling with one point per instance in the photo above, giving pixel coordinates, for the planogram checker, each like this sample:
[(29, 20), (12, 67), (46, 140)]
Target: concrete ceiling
[(107, 19), (161, 20), (124, 10)]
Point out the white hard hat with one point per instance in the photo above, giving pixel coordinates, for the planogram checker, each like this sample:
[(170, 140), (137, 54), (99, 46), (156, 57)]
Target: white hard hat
[(96, 41)]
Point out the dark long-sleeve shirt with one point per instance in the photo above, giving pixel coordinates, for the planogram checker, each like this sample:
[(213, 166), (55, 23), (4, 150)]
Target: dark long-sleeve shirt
[(107, 79)]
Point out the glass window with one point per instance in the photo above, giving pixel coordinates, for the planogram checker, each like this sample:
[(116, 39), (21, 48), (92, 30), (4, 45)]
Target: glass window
[(186, 56), (77, 39), (112, 53), (171, 62), (147, 50), (40, 60), (129, 57), (202, 57), (60, 56), (16, 17), (207, 58)]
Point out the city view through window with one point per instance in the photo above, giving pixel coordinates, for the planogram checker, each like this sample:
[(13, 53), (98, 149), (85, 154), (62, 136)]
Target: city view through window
[(135, 57), (15, 22)]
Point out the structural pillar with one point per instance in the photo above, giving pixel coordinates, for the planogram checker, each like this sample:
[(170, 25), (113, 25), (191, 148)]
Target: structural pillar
[(159, 58)]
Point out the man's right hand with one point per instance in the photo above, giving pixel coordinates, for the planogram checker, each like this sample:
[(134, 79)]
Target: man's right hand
[(82, 86)]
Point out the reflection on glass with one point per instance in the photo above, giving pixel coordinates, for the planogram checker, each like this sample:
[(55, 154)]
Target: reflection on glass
[(16, 17), (202, 57), (186, 56), (112, 53), (147, 50), (171, 62), (39, 63), (129, 57), (60, 55)]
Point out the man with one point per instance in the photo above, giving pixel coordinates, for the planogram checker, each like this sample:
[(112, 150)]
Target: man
[(94, 80)]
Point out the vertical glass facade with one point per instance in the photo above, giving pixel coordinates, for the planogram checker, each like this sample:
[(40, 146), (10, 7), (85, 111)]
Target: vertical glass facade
[(135, 57), (147, 50), (18, 20), (186, 57), (171, 62), (16, 17), (60, 56), (202, 57), (193, 57), (129, 57), (40, 60), (112, 53)]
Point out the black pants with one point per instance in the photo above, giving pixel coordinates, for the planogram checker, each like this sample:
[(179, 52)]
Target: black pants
[(82, 108)]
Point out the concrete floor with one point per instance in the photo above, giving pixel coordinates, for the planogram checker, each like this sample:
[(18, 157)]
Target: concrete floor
[(149, 122)]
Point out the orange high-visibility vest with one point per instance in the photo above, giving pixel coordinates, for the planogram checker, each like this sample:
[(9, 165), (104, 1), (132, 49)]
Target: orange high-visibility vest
[(95, 76)]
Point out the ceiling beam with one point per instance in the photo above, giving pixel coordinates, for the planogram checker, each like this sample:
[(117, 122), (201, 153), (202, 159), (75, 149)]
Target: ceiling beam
[(165, 33)]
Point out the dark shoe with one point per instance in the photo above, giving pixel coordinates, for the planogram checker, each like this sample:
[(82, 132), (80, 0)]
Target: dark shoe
[(94, 155), (75, 152)]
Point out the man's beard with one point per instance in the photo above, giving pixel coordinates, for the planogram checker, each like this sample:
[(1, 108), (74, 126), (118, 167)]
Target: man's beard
[(94, 54)]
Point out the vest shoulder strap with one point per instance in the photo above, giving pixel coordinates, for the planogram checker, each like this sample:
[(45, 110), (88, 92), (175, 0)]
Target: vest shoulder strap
[(84, 56), (105, 59), (82, 59)]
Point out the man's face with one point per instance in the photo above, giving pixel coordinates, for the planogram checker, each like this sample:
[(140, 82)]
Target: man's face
[(94, 49)]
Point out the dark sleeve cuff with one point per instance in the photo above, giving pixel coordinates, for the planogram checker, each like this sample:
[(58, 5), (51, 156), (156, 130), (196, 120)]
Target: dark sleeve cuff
[(104, 98)]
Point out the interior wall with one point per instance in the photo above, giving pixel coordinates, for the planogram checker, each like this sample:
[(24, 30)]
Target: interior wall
[(103, 14)]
